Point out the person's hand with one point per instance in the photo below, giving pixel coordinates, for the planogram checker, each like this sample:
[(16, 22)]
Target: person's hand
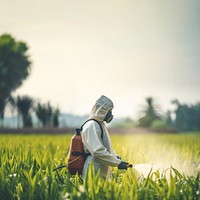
[(123, 165)]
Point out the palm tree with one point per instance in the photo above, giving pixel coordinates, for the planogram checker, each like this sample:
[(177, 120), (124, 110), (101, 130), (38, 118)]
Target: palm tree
[(45, 114), (49, 115), (151, 109), (24, 105), (55, 117), (150, 112), (41, 113)]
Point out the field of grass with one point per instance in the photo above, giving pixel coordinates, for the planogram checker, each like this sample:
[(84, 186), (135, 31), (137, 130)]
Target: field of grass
[(166, 167)]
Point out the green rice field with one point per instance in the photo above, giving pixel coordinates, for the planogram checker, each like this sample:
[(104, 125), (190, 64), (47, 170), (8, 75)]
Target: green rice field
[(166, 166)]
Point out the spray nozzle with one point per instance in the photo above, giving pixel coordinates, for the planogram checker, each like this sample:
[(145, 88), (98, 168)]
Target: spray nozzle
[(129, 165)]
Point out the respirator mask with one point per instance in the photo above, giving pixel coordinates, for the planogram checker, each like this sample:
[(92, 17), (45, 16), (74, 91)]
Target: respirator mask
[(108, 117)]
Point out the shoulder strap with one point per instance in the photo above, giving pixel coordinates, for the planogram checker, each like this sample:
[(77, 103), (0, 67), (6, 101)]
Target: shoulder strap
[(99, 125)]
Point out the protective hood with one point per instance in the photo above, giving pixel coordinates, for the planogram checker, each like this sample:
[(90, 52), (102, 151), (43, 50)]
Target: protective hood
[(101, 108)]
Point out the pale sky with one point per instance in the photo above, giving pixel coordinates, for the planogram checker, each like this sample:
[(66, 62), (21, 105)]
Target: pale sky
[(124, 49)]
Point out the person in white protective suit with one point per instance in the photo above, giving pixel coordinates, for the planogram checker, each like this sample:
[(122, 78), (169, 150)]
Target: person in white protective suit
[(102, 154)]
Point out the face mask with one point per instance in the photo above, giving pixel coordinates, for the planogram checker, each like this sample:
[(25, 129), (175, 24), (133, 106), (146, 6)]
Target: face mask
[(108, 117)]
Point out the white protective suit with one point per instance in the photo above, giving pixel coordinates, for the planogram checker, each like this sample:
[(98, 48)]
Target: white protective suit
[(102, 153)]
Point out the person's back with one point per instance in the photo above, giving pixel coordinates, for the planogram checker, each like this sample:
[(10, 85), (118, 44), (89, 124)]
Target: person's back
[(102, 153)]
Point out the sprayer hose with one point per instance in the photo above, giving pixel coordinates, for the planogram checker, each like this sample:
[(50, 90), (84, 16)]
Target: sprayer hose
[(61, 166)]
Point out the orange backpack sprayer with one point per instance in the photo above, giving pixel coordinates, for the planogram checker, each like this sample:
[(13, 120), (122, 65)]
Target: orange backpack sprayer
[(77, 156)]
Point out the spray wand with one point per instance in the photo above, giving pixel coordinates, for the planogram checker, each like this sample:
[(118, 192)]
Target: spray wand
[(61, 166)]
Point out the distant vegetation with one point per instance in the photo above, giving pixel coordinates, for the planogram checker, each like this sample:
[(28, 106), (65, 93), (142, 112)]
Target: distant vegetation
[(14, 68), (150, 113), (26, 107), (187, 117)]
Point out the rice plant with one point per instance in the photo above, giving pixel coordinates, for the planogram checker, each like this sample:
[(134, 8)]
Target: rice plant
[(166, 167)]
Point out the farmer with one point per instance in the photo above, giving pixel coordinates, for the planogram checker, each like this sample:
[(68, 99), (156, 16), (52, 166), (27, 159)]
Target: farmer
[(102, 154)]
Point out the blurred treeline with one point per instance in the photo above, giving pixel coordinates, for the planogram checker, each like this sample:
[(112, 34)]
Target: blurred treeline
[(26, 108), (186, 117), (15, 66)]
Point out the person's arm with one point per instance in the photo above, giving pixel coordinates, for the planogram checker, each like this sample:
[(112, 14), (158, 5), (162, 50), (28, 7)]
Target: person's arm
[(91, 139)]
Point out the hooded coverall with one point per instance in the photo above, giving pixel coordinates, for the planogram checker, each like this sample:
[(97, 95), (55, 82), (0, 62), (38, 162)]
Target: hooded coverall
[(102, 153)]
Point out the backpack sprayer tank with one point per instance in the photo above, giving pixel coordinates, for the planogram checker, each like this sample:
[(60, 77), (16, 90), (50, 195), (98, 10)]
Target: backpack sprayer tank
[(76, 154)]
